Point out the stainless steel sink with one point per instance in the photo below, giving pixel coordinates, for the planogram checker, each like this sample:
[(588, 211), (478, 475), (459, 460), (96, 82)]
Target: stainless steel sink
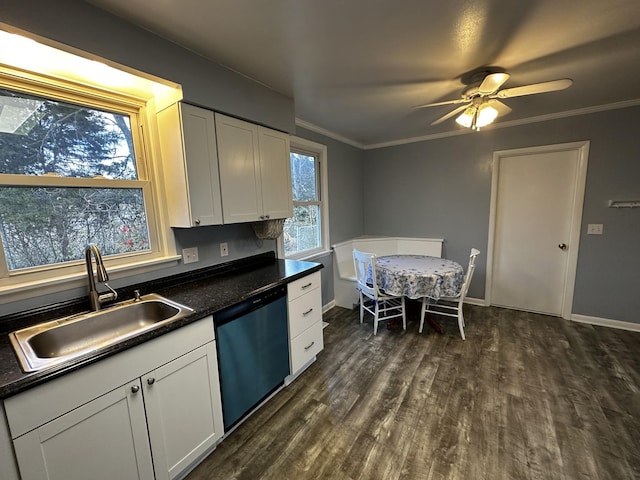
[(60, 340)]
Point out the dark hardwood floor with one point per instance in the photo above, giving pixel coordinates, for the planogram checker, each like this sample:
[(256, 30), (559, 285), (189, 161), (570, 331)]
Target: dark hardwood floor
[(526, 396)]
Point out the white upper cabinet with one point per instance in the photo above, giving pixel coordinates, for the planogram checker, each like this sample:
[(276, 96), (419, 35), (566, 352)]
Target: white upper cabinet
[(255, 172), (190, 164), (275, 168)]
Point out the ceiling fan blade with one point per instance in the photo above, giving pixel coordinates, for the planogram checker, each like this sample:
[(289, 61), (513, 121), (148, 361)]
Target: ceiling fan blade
[(534, 88), (492, 83), (452, 113), (446, 102), (500, 107)]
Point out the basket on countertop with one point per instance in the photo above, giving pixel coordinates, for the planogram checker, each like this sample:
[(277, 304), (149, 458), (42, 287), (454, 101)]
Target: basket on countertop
[(268, 228)]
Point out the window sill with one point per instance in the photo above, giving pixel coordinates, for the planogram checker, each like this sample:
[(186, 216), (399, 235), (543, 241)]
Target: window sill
[(310, 256), (17, 291)]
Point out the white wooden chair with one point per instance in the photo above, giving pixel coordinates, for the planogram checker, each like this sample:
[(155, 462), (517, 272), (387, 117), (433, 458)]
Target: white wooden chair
[(451, 306), (372, 299)]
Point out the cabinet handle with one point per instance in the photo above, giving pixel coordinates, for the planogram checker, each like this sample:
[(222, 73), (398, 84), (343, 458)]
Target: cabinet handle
[(304, 314), (135, 389), (197, 221), (309, 346), (304, 287), (150, 381), (267, 217)]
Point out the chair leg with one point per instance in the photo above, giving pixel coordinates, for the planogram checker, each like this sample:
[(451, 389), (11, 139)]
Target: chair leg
[(461, 320), (361, 307), (404, 314), (375, 317), (423, 312)]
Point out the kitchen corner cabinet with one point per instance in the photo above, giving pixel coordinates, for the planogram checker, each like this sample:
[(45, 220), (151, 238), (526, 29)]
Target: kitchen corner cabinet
[(190, 165), (305, 322), (153, 408), (255, 171)]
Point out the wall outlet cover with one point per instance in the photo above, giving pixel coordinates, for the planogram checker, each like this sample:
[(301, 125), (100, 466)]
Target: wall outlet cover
[(190, 255), (224, 249), (595, 229)]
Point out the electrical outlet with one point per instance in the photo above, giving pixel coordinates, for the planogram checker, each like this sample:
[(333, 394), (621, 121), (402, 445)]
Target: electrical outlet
[(224, 249), (190, 255), (595, 229)]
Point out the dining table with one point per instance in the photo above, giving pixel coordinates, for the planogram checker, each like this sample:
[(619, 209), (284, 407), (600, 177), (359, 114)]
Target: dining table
[(418, 276)]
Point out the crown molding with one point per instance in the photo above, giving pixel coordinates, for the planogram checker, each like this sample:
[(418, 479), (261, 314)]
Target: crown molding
[(453, 133), (329, 133)]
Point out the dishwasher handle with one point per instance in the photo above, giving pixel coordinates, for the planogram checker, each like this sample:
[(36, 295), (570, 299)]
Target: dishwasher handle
[(248, 305)]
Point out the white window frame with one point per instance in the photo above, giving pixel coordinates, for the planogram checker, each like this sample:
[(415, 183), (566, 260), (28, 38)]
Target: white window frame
[(22, 284), (302, 145)]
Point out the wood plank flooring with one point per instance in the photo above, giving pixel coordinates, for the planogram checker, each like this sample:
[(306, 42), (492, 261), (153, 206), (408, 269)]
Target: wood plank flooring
[(526, 396)]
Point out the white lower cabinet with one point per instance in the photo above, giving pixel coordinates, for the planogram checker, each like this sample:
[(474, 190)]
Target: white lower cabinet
[(305, 322), (182, 402), (104, 439), (154, 426)]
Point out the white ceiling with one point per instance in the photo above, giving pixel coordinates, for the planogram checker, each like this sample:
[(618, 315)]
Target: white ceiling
[(356, 67)]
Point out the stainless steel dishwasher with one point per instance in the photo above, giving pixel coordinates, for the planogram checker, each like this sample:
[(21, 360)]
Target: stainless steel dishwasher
[(253, 352)]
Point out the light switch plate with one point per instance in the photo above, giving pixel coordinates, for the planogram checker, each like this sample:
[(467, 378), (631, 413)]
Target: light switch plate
[(190, 255), (595, 229)]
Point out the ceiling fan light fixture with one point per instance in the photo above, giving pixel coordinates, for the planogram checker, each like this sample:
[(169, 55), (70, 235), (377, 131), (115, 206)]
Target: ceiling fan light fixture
[(486, 115), (466, 118)]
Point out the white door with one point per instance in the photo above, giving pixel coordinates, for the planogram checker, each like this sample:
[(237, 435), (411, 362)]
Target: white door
[(202, 165), (275, 168), (184, 410), (536, 213), (103, 439), (239, 162)]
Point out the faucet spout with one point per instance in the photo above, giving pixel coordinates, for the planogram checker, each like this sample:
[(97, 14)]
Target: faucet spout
[(95, 299)]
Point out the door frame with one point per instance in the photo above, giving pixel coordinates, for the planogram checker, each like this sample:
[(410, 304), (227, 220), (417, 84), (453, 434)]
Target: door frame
[(576, 217)]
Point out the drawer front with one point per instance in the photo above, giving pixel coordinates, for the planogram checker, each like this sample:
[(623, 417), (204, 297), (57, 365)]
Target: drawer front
[(306, 346), (304, 311), (303, 285)]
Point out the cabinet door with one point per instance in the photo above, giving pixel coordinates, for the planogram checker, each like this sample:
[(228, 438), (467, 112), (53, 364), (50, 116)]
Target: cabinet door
[(275, 168), (239, 170), (190, 165), (199, 132), (184, 411), (103, 439)]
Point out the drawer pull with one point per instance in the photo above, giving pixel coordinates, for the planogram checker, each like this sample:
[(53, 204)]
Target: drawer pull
[(304, 287), (309, 346), (134, 389), (304, 314), (151, 380)]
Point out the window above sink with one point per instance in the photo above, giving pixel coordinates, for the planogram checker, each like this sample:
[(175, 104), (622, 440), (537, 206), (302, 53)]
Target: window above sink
[(77, 139)]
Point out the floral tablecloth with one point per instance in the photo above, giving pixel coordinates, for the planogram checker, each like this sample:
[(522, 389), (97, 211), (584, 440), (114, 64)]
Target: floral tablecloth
[(418, 276)]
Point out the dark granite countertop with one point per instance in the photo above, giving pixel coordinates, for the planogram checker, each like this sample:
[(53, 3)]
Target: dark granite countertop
[(206, 291)]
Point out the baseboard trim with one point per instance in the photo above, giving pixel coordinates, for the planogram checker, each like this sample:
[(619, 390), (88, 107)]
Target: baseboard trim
[(606, 322), (475, 301), (328, 306)]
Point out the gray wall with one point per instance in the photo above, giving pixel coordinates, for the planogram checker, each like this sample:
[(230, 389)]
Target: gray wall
[(442, 188), (346, 187)]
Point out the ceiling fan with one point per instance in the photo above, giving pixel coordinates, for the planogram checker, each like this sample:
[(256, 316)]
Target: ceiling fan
[(480, 104)]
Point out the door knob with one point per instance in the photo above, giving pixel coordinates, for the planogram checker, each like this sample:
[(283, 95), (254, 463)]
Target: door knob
[(562, 246)]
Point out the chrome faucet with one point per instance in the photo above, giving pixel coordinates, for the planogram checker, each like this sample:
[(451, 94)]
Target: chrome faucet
[(95, 299)]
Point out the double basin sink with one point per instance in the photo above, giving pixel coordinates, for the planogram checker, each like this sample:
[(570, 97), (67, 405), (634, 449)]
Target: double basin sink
[(51, 343)]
